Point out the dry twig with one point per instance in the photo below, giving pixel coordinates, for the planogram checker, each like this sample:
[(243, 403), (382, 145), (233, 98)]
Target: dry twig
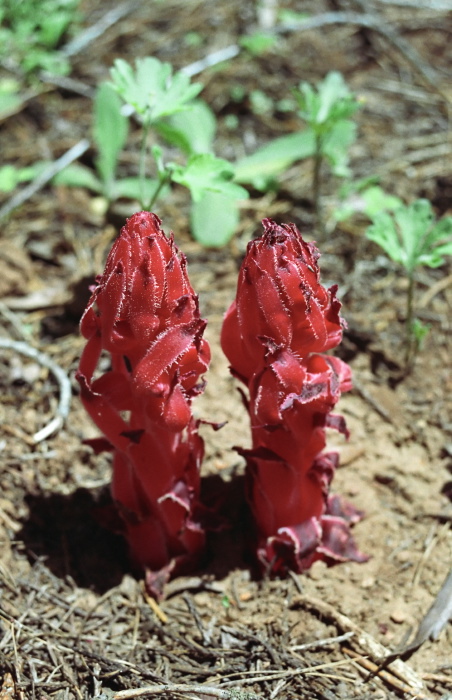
[(59, 374), (181, 688), (43, 178), (363, 640), (389, 678), (376, 24)]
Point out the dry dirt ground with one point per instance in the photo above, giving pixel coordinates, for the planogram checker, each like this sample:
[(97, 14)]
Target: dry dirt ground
[(75, 622)]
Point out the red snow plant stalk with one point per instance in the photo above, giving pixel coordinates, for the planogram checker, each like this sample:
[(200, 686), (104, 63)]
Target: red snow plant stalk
[(274, 335), (144, 314)]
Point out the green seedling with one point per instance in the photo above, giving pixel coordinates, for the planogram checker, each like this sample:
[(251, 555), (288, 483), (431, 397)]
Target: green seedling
[(411, 237), (326, 111), (158, 97), (31, 31), (166, 105)]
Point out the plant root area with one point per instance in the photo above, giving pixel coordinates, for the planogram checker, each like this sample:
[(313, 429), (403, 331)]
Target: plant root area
[(75, 621)]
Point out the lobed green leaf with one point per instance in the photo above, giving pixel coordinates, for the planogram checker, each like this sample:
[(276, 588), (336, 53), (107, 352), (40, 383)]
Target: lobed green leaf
[(151, 89), (204, 172), (411, 237)]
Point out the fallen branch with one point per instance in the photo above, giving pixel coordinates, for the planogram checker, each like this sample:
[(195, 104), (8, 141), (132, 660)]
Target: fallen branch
[(363, 640), (90, 34), (43, 178), (59, 374), (376, 24)]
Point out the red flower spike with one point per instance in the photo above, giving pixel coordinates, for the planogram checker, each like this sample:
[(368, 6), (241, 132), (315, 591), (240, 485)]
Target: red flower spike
[(274, 334), (144, 312)]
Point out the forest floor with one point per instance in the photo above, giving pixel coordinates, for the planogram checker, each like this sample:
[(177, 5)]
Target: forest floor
[(75, 621)]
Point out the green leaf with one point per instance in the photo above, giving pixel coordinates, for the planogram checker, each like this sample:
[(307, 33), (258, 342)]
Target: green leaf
[(413, 222), (370, 201), (411, 237), (152, 90), (327, 103), (204, 172), (10, 99), (77, 175), (384, 233), (291, 17), (336, 144), (11, 176), (377, 200), (214, 219), (110, 131), (273, 158), (420, 331), (192, 131)]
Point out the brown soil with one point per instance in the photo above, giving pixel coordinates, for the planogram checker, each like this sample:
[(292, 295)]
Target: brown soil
[(74, 620)]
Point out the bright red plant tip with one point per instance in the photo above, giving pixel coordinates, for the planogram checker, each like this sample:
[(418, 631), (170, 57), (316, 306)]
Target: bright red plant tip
[(274, 334), (279, 298), (144, 313)]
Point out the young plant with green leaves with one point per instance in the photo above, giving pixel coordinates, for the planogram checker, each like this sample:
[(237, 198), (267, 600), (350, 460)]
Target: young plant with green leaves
[(166, 105), (158, 97), (326, 110), (411, 237), (31, 31)]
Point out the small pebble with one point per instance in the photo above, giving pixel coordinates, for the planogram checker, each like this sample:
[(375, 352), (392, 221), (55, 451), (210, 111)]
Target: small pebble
[(398, 616)]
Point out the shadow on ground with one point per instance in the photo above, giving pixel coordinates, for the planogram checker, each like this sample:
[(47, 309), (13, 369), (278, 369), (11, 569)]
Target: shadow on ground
[(66, 531), (76, 536)]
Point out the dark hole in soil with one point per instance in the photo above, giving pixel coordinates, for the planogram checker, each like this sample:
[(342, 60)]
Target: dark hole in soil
[(67, 532)]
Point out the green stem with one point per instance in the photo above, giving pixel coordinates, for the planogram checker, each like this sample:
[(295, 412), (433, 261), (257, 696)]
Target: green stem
[(316, 182), (142, 165), (164, 177), (409, 340)]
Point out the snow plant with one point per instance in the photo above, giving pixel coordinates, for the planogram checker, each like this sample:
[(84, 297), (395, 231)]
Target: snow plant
[(143, 364), (275, 335), (143, 313)]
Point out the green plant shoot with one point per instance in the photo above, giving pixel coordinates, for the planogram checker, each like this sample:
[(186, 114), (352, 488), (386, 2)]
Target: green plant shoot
[(154, 92), (31, 30), (329, 132), (411, 237), (158, 97), (327, 109), (169, 113)]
